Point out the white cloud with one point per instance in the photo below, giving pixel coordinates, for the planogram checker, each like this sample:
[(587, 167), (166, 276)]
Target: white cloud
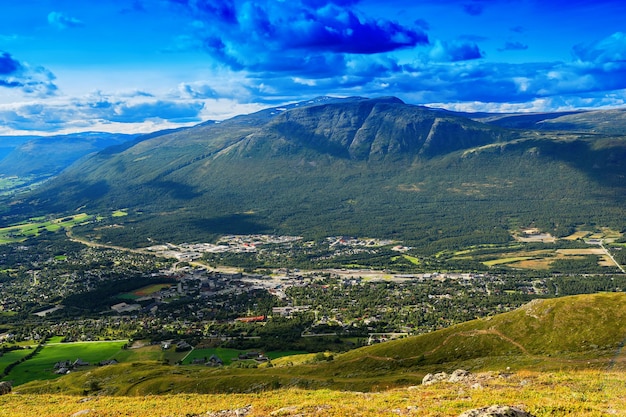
[(62, 21)]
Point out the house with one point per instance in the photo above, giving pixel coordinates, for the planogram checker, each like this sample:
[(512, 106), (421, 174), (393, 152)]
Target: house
[(80, 362), (63, 364), (214, 360)]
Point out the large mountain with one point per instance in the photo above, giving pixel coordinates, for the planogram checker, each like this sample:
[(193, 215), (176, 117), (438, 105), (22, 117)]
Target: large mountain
[(353, 166)]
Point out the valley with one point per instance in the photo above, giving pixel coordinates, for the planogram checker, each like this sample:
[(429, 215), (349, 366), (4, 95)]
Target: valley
[(336, 245)]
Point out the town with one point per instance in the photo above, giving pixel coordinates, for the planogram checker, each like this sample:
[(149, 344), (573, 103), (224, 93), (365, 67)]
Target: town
[(246, 291)]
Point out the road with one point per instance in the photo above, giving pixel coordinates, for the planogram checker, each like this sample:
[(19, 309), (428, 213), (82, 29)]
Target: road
[(621, 268)]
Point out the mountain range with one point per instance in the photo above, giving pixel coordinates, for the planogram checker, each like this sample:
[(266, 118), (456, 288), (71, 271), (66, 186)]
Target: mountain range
[(355, 166)]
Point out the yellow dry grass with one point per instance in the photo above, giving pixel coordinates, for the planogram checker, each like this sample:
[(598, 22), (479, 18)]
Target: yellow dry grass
[(573, 393), (577, 235)]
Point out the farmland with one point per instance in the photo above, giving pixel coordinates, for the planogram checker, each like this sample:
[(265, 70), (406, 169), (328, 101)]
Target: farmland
[(41, 366), (36, 226), (231, 355), (580, 252)]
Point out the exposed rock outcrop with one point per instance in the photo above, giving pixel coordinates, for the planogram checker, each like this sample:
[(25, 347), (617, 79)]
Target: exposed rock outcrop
[(496, 411), (5, 387), (237, 412), (460, 375)]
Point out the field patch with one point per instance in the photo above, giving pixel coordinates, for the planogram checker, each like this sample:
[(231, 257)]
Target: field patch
[(577, 235), (41, 366), (228, 356), (146, 291), (150, 289), (412, 259), (12, 356), (504, 261), (119, 213), (22, 231)]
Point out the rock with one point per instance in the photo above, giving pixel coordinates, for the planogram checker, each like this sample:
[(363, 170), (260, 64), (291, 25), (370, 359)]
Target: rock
[(434, 378), (237, 412), (460, 375), (496, 411), (81, 413), (5, 387), (285, 410)]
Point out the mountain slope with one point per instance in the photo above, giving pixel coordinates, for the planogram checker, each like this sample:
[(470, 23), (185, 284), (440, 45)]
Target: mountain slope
[(351, 166), (582, 327), (371, 129)]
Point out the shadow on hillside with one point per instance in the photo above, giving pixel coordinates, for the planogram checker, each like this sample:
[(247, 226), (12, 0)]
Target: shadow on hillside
[(236, 224), (605, 165), (176, 190)]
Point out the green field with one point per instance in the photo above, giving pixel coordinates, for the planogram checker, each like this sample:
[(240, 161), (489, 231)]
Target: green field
[(22, 231), (144, 291), (41, 366), (504, 261), (13, 356), (227, 355)]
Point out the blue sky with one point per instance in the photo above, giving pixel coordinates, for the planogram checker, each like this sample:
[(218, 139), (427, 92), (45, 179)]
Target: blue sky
[(145, 65)]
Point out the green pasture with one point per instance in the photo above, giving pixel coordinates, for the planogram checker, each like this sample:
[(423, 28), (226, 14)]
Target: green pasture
[(41, 366), (144, 291), (150, 353), (412, 259), (12, 356), (504, 261), (228, 355), (35, 226)]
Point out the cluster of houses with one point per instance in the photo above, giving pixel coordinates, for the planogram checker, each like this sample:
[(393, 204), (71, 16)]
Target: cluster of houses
[(215, 361), (65, 367)]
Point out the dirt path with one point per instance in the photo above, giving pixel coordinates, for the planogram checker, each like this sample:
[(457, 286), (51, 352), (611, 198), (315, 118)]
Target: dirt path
[(480, 332)]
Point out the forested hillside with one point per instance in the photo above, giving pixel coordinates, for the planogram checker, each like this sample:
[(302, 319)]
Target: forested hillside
[(349, 167)]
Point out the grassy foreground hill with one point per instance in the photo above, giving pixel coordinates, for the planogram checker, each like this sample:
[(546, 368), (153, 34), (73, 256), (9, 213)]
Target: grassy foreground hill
[(554, 394), (555, 357)]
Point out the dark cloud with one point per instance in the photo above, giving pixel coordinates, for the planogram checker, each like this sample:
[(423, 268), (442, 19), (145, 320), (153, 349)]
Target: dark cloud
[(62, 21), (518, 29), (34, 81), (8, 65), (265, 35), (513, 46)]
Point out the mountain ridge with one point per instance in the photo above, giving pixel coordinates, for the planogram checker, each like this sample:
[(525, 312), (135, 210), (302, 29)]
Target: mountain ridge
[(341, 166)]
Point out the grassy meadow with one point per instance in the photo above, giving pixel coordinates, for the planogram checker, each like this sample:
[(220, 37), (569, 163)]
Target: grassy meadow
[(231, 355), (22, 231), (41, 366), (555, 394)]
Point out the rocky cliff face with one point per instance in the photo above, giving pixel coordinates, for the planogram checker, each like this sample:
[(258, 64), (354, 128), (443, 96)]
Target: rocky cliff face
[(372, 129)]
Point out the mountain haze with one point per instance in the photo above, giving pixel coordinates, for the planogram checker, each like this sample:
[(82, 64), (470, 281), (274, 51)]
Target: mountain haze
[(352, 166), (49, 155)]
